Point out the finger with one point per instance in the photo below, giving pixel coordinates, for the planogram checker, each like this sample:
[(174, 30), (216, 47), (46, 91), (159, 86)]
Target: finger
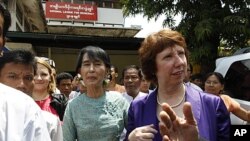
[(148, 136), (149, 129), (165, 138), (147, 139), (165, 132), (176, 124), (188, 114), (169, 111), (164, 117), (163, 129), (148, 132)]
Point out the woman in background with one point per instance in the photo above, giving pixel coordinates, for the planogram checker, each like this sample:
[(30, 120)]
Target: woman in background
[(43, 92), (214, 84), (145, 86)]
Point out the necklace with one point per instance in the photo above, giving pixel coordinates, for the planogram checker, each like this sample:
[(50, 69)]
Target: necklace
[(173, 106)]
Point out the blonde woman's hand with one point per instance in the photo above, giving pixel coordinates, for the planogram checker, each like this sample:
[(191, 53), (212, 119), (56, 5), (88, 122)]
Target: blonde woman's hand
[(174, 128), (144, 133)]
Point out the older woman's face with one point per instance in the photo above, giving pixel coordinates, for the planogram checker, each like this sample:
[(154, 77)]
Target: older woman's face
[(93, 72), (42, 78), (213, 85), (171, 65)]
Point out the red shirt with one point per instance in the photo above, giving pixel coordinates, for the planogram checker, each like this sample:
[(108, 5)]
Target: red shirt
[(45, 105)]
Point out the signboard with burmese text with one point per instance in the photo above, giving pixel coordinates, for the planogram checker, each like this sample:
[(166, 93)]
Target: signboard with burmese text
[(70, 11)]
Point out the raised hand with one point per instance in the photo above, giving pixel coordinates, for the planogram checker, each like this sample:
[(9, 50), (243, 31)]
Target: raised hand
[(174, 128)]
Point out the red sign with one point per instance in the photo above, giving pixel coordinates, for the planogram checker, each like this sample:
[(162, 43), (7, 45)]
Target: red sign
[(63, 10)]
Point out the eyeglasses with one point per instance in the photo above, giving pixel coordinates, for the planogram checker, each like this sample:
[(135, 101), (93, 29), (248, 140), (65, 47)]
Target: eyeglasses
[(132, 78)]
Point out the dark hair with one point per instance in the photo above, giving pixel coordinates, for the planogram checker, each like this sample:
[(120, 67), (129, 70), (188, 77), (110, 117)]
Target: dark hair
[(115, 68), (62, 76), (154, 44), (7, 19), (190, 67), (216, 74), (132, 67), (196, 76), (94, 53), (18, 57)]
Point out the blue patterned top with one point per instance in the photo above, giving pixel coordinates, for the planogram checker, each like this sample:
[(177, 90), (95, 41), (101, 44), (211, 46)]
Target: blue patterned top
[(102, 119)]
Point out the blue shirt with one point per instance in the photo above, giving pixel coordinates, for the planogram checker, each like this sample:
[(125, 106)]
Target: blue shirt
[(102, 119)]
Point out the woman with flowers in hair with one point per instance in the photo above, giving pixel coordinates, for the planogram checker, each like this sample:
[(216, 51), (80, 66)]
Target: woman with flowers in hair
[(97, 114)]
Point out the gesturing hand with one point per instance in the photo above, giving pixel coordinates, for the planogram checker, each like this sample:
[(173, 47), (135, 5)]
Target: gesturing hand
[(174, 128), (144, 133)]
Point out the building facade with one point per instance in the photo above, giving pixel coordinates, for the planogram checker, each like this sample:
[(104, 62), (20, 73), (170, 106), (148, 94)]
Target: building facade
[(59, 28)]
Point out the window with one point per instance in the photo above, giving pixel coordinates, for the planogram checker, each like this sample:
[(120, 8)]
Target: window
[(78, 1), (237, 80), (117, 5), (108, 4)]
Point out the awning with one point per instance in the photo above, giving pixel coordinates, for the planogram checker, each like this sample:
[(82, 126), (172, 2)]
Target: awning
[(74, 41)]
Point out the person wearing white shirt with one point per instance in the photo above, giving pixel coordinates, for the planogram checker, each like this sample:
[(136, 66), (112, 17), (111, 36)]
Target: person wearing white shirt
[(17, 70), (21, 118), (53, 125), (132, 78), (130, 98)]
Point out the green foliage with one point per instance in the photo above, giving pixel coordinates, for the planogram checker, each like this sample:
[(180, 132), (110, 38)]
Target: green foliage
[(203, 30), (204, 23)]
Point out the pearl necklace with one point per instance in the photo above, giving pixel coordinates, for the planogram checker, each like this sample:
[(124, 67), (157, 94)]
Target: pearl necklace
[(172, 106)]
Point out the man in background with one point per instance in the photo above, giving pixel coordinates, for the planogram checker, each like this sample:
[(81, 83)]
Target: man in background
[(188, 78), (64, 83), (197, 79), (112, 85), (132, 77)]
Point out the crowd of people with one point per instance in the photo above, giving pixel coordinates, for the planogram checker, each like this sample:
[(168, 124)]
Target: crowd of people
[(160, 101)]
